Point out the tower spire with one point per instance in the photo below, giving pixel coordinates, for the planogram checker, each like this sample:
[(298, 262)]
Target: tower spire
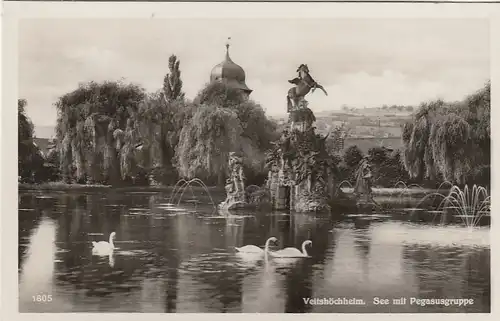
[(230, 72)]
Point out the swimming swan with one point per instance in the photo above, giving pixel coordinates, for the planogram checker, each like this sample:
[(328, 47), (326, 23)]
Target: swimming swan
[(103, 247), (291, 251), (256, 249)]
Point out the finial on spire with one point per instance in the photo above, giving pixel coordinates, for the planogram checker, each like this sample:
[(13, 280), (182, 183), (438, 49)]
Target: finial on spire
[(227, 48)]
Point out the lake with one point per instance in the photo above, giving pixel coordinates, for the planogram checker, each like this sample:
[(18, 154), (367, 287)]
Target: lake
[(181, 258)]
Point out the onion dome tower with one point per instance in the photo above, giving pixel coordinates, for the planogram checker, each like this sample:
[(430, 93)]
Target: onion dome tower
[(231, 74)]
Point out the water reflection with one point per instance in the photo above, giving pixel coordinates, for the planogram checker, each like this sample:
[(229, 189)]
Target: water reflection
[(38, 268), (182, 259), (437, 269)]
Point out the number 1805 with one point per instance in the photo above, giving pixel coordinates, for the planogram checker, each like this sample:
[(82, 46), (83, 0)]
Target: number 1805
[(42, 298)]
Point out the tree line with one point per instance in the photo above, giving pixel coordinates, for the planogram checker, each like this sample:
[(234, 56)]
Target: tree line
[(117, 133), (442, 142), (450, 141)]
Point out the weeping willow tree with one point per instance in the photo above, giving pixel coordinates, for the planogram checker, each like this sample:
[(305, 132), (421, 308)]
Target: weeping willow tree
[(256, 139), (206, 141), (219, 94), (159, 122), (92, 130), (126, 143), (257, 131), (449, 141)]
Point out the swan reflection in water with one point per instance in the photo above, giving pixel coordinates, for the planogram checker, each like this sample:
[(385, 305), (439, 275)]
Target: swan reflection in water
[(110, 257), (262, 289)]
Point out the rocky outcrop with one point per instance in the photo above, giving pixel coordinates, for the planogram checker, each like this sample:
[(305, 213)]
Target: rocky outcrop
[(301, 171)]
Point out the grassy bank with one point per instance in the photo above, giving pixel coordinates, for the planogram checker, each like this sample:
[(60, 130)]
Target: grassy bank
[(60, 186), (391, 191)]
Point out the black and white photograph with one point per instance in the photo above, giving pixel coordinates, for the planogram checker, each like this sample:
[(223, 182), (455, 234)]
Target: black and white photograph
[(256, 165)]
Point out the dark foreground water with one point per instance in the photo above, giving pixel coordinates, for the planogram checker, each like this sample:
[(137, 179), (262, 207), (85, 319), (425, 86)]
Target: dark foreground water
[(182, 259)]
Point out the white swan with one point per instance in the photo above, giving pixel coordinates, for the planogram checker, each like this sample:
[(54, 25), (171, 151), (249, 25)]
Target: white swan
[(104, 248), (291, 251), (256, 249)]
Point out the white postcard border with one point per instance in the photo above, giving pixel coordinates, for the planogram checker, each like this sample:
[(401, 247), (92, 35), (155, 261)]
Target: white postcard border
[(13, 12)]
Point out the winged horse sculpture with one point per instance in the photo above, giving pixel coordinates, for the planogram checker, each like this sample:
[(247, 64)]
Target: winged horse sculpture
[(304, 84)]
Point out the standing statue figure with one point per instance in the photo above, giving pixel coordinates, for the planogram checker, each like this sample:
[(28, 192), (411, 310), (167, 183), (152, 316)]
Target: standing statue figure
[(235, 184), (236, 172), (239, 197), (363, 186), (304, 83)]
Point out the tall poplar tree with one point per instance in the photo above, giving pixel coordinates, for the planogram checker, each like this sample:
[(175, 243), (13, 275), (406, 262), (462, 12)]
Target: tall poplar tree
[(172, 83)]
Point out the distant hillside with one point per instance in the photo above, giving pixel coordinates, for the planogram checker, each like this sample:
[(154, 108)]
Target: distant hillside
[(364, 144), (362, 123), (366, 122)]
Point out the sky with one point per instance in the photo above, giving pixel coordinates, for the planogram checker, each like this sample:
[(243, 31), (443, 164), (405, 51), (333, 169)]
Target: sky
[(360, 62)]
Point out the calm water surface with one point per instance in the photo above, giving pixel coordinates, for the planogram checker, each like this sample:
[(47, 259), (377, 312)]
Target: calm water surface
[(182, 258)]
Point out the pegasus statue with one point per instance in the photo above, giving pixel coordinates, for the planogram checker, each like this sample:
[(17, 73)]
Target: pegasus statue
[(304, 84)]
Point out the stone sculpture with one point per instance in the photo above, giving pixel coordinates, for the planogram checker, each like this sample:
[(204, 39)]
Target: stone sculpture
[(237, 196), (300, 174), (304, 83), (235, 184), (363, 187)]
